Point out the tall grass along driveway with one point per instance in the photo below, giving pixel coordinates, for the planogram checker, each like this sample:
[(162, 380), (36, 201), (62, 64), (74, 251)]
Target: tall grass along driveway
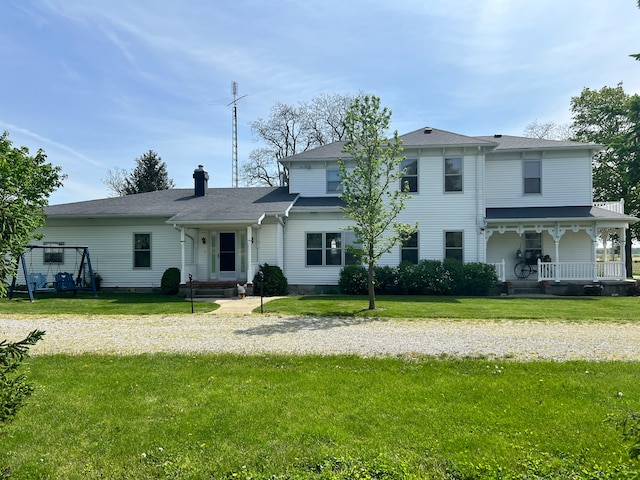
[(520, 340)]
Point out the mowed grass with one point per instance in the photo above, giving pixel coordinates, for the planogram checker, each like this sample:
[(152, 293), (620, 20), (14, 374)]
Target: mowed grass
[(582, 309), (104, 304), (227, 416)]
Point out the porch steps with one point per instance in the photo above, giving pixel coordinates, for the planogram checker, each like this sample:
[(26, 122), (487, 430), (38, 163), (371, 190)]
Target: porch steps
[(526, 287), (210, 290)]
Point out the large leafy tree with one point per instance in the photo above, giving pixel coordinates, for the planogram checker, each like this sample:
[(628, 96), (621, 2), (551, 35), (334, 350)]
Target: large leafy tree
[(149, 175), (611, 117), (371, 177), (26, 182), (290, 130)]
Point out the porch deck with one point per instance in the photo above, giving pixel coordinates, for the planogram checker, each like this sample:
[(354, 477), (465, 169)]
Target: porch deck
[(569, 271)]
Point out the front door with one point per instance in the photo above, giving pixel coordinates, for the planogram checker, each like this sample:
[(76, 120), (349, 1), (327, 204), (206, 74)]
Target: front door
[(227, 256)]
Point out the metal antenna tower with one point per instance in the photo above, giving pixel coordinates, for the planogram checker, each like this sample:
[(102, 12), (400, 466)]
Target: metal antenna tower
[(234, 134)]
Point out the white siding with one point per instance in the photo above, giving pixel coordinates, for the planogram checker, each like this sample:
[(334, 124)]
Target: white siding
[(566, 180), (299, 224), (310, 179), (110, 245)]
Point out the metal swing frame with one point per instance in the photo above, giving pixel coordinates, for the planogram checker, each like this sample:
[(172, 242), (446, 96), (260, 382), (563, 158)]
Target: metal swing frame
[(64, 281)]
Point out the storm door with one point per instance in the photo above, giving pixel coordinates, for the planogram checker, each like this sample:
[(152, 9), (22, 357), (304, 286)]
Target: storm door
[(227, 255)]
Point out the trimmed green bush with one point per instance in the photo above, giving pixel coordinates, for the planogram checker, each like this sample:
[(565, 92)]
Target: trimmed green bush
[(170, 283), (354, 280), (275, 283), (428, 277)]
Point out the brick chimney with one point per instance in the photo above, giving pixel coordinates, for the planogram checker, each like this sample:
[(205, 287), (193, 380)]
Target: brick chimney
[(201, 180)]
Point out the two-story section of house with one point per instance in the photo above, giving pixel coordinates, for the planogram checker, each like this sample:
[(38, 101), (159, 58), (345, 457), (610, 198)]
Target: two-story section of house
[(524, 205)]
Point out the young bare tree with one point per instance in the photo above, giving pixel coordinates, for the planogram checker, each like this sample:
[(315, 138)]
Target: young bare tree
[(371, 179)]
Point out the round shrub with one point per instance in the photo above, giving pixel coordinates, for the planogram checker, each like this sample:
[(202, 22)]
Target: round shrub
[(170, 283), (354, 280), (479, 278), (275, 283)]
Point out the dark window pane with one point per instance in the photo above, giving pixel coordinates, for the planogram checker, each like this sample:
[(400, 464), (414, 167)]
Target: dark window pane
[(314, 257), (454, 239), (532, 169), (410, 255), (531, 185), (453, 184), (142, 259), (454, 253), (412, 183), (411, 166), (334, 256), (314, 240), (453, 166)]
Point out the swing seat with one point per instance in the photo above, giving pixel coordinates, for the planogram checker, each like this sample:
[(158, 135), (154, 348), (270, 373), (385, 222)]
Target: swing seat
[(38, 280), (64, 281)]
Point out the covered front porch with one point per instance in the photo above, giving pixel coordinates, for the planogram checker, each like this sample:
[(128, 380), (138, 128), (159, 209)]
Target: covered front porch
[(558, 244)]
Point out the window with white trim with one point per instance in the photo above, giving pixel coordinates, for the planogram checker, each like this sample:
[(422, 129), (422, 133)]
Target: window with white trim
[(453, 174), (334, 181), (141, 250), (410, 178), (453, 247), (409, 249), (532, 176)]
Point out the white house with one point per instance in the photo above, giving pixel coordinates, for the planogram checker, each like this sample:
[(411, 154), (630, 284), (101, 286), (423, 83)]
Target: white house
[(477, 199)]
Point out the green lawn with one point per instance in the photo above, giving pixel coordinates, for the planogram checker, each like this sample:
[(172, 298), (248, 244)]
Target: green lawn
[(610, 309), (104, 304), (227, 416)]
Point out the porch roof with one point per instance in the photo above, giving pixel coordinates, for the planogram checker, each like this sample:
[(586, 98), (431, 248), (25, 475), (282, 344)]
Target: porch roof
[(579, 213)]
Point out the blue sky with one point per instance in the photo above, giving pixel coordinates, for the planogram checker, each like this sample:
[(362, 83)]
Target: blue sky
[(97, 83)]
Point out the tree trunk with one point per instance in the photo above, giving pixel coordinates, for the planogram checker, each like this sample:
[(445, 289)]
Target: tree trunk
[(628, 251), (372, 290)]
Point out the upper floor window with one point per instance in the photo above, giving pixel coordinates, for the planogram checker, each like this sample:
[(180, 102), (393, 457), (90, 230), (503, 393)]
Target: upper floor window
[(453, 245), (453, 174), (52, 254), (334, 181), (409, 249), (410, 178), (532, 173), (141, 250)]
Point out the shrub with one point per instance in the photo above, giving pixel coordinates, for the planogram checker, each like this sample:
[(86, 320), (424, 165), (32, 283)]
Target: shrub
[(170, 283), (275, 283), (433, 278), (13, 387), (354, 280), (456, 272), (386, 280), (478, 278)]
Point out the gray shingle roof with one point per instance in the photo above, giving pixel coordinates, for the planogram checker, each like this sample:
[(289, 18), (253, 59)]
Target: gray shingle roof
[(554, 213), (181, 206), (510, 142), (432, 137)]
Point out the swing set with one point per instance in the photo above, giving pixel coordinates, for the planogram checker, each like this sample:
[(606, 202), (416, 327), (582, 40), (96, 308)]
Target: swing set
[(60, 281)]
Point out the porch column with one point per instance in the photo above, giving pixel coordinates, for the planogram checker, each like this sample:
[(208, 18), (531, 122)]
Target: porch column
[(622, 235), (183, 274), (593, 233), (249, 248), (556, 234)]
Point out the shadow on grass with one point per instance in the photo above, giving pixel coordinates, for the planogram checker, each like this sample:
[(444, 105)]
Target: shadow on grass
[(383, 298), (297, 324)]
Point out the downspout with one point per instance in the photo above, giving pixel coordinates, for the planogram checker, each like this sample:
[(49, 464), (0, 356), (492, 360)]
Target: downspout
[(182, 255), (480, 214)]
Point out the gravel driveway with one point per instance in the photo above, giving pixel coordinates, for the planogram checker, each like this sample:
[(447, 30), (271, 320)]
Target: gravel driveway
[(270, 334)]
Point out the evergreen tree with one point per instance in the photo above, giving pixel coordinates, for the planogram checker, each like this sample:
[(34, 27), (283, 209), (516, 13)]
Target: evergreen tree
[(149, 175)]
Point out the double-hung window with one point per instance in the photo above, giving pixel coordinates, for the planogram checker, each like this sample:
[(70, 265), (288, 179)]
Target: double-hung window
[(532, 174), (141, 250), (327, 249), (453, 247), (410, 178), (334, 181), (409, 250), (52, 254), (453, 174)]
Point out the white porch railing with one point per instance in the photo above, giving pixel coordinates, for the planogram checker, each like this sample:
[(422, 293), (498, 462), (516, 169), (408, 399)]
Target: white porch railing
[(501, 270), (617, 207), (561, 271)]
